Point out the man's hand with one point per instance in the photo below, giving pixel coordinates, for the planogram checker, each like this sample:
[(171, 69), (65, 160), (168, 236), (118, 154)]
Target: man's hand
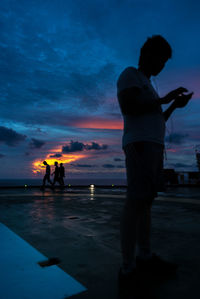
[(173, 95), (179, 102), (182, 100)]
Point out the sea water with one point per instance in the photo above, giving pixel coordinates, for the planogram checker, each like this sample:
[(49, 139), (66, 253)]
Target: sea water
[(75, 182)]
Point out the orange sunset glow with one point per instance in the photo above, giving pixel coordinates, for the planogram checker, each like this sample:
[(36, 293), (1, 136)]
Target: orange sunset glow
[(38, 167), (172, 150), (100, 124)]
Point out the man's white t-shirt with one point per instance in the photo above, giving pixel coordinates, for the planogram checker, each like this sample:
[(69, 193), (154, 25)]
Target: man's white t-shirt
[(145, 127)]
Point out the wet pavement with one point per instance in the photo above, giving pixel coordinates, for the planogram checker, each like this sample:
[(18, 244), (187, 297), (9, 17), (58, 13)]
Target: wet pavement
[(81, 228)]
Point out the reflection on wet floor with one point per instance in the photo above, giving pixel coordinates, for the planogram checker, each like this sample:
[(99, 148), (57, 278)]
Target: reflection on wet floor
[(81, 227), (46, 210), (184, 192)]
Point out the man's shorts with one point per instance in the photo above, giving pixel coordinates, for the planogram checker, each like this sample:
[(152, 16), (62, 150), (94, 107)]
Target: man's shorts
[(144, 169)]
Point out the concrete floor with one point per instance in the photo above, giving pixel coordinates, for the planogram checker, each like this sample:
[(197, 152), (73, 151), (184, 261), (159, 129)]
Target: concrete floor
[(81, 228)]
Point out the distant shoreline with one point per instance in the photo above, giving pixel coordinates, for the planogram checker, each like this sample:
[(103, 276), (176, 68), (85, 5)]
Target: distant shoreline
[(113, 186), (21, 183)]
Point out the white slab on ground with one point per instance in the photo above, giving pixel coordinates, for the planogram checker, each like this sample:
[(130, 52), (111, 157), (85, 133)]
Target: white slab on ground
[(22, 278)]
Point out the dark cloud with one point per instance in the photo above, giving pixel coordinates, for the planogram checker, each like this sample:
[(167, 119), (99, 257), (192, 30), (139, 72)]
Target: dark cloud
[(46, 65), (91, 89), (108, 166), (118, 159), (95, 146), (56, 156), (83, 165), (10, 137), (176, 138), (181, 165), (75, 146), (1, 156), (35, 143)]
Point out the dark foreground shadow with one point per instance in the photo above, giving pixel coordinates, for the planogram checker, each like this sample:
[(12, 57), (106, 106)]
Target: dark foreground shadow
[(149, 288)]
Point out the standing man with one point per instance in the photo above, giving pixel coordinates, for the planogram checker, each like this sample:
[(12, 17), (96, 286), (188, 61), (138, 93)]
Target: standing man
[(47, 174), (62, 174), (56, 174), (143, 144)]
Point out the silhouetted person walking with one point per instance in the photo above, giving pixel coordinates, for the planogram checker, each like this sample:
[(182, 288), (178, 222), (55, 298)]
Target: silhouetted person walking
[(47, 174), (143, 144), (56, 174), (62, 174)]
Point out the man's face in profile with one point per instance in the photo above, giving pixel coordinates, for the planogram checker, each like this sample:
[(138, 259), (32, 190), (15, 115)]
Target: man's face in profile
[(157, 63)]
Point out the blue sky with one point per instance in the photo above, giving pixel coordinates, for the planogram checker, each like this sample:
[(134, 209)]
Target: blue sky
[(59, 64)]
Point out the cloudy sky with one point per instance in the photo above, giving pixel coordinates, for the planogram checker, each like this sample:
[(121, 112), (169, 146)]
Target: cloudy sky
[(60, 60)]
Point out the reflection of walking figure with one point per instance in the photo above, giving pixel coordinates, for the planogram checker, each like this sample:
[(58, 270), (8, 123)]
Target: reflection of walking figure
[(56, 174), (143, 143), (47, 174), (62, 174)]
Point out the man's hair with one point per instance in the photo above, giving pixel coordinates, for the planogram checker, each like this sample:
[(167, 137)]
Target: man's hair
[(155, 45), (45, 162)]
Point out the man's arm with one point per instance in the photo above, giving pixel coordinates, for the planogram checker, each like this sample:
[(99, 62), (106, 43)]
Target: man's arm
[(130, 105), (169, 111)]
